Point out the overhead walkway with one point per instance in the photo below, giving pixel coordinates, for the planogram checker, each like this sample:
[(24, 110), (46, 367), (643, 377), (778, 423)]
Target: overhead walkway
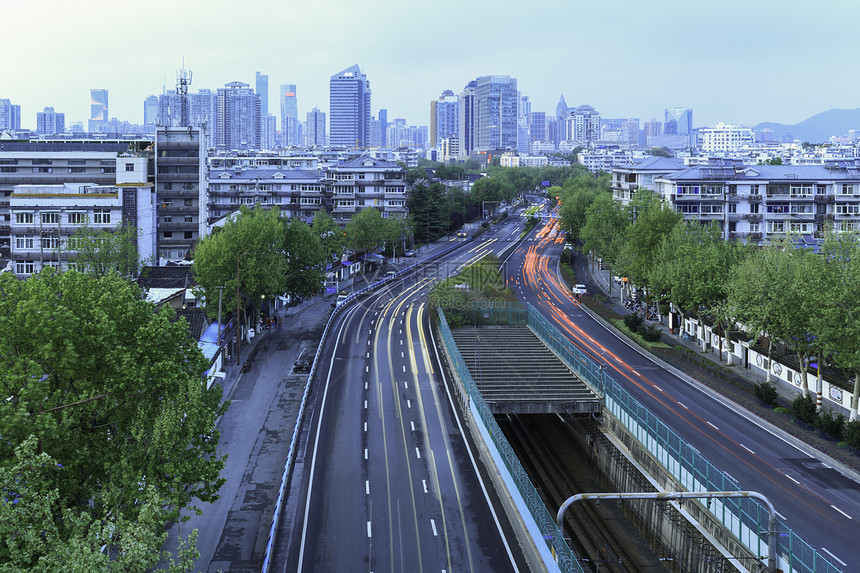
[(517, 374)]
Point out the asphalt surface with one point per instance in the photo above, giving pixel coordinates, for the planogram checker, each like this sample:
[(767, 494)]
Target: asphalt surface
[(814, 495)]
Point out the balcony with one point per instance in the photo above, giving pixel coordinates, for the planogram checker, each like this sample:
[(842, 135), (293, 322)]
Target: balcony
[(752, 216), (824, 198)]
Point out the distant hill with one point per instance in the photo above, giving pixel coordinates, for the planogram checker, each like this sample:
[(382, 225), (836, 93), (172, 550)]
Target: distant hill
[(820, 127)]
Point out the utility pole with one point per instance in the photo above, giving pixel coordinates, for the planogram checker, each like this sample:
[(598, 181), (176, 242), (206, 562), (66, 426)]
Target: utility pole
[(220, 292), (238, 321)]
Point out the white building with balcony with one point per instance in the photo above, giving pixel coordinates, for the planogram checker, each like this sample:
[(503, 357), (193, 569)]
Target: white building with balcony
[(366, 182)]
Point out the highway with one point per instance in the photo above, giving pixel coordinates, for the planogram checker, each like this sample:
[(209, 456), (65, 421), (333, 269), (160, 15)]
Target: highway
[(385, 480), (813, 497)]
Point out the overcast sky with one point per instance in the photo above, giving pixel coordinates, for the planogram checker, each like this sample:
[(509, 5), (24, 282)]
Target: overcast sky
[(734, 61)]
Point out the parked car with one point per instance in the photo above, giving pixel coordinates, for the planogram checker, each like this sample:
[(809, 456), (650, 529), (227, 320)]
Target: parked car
[(579, 290), (390, 274), (410, 253), (301, 366)]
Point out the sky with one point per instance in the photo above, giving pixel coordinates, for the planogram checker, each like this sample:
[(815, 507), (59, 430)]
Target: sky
[(730, 61)]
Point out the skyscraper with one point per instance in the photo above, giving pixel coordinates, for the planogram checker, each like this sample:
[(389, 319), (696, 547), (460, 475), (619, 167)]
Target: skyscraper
[(496, 113), (262, 86), (316, 127), (679, 121), (382, 117), (537, 126), (237, 117), (150, 111), (289, 115), (349, 108), (583, 125), (98, 110), (443, 117), (49, 122), (466, 119), (10, 115), (561, 110), (524, 109), (268, 131)]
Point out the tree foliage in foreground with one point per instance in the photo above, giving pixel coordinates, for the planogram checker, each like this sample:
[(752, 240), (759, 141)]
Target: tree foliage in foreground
[(111, 389), (103, 251)]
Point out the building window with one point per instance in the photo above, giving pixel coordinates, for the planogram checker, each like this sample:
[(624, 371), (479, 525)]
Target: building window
[(754, 190), (189, 234), (77, 218), (24, 218), (73, 243), (189, 219), (25, 242), (129, 166), (168, 234), (51, 243), (50, 218), (24, 267), (167, 219), (101, 217), (754, 228)]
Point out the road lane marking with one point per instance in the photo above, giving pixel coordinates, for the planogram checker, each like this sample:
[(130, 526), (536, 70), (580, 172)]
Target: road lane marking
[(365, 426), (657, 387), (711, 425), (365, 404), (367, 486), (840, 511), (408, 403), (424, 483), (792, 479), (412, 424), (368, 529), (402, 355), (835, 557), (406, 385), (433, 525), (365, 453), (367, 368), (404, 368), (417, 453), (747, 449), (681, 404)]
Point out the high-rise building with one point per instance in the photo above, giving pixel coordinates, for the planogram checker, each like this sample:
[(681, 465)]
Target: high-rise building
[(382, 117), (289, 115), (262, 86), (583, 125), (10, 115), (150, 111), (237, 117), (349, 108), (466, 119), (537, 126), (443, 117), (561, 110), (49, 122), (98, 110), (316, 128), (268, 132), (496, 113), (181, 190), (524, 109), (201, 111), (679, 121), (653, 128)]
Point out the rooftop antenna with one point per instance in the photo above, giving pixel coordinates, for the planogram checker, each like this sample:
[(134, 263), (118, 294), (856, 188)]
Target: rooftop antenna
[(183, 80)]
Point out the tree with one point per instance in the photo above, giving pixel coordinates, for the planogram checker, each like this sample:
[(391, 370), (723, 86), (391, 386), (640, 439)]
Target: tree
[(652, 221), (574, 205), (430, 209), (492, 189), (103, 251), (305, 257), (604, 228), (249, 248), (112, 388), (331, 235), (364, 231)]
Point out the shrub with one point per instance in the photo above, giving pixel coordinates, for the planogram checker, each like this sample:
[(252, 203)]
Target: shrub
[(803, 408), (781, 410), (650, 333), (852, 433), (766, 392), (829, 425), (633, 322)]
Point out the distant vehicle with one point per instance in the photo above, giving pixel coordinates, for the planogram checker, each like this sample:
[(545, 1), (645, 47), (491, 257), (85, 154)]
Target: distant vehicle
[(579, 290), (341, 298), (390, 274), (461, 233), (410, 253), (300, 366)]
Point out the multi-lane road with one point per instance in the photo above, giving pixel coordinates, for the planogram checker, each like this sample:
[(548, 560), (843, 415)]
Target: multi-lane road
[(814, 496), (386, 480)]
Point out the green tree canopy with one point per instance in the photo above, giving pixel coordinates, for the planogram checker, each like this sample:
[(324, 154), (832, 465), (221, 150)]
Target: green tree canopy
[(305, 258), (113, 390), (364, 232), (331, 235), (103, 251), (653, 220), (430, 210), (604, 229)]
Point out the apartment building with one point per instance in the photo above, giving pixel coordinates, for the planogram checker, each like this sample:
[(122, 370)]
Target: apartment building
[(366, 182), (631, 175), (298, 193)]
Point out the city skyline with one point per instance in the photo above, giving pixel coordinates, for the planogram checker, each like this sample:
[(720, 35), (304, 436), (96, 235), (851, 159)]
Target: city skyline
[(632, 60)]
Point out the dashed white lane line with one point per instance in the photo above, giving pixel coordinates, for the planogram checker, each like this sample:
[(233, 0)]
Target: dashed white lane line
[(367, 368), (840, 511), (417, 453), (406, 385), (404, 368), (433, 525), (367, 486), (412, 425), (835, 557), (424, 483), (408, 403), (365, 453), (657, 387), (792, 479), (365, 404), (365, 426), (402, 355), (681, 404), (368, 529), (711, 425), (747, 449)]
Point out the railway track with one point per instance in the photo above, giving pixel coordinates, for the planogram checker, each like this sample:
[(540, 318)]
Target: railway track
[(600, 535)]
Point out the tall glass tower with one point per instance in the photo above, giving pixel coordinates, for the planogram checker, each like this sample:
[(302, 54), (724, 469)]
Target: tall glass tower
[(262, 89), (289, 115), (98, 110), (349, 108)]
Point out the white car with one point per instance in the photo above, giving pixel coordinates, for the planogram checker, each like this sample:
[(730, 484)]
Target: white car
[(579, 290)]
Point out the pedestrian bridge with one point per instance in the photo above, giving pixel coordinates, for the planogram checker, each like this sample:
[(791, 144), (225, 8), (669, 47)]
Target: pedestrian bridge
[(517, 374)]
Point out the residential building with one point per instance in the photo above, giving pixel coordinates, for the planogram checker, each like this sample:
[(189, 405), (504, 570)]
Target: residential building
[(496, 113), (672, 141), (724, 138), (150, 113), (261, 86), (201, 110), (237, 117), (349, 108), (632, 174), (582, 125), (181, 190), (49, 122), (298, 193), (10, 116), (44, 217), (760, 202), (466, 119), (652, 128), (537, 126), (289, 116), (515, 160), (443, 117), (98, 111), (366, 182), (316, 128), (268, 132)]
